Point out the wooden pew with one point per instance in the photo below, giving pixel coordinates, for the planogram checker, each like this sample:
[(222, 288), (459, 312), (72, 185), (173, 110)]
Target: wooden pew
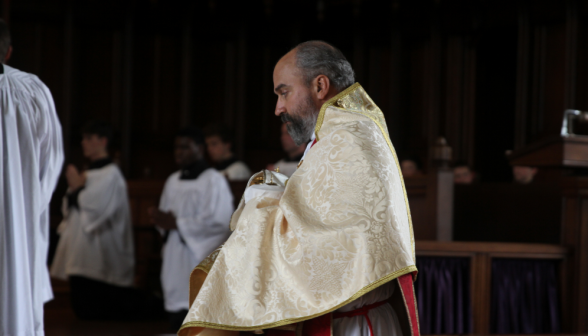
[(506, 212), (481, 256), (144, 194), (430, 196)]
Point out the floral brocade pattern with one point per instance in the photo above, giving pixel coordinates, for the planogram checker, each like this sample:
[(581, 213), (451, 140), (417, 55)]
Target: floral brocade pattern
[(341, 228), (206, 264)]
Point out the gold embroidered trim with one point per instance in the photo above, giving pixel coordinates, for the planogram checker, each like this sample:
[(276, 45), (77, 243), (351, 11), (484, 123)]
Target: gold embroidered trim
[(361, 292), (319, 124), (331, 102)]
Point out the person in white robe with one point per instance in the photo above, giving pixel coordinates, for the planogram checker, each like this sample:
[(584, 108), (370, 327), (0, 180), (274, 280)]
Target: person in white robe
[(193, 216), (95, 252), (294, 152), (219, 144), (31, 148)]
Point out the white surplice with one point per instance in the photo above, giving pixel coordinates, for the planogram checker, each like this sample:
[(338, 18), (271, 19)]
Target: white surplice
[(287, 167), (238, 171), (203, 209), (96, 239), (32, 156)]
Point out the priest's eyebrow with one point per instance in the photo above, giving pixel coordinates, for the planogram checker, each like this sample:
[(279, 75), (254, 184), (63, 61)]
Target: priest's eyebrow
[(279, 87)]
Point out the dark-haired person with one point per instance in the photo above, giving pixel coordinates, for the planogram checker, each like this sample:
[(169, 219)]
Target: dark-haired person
[(335, 245), (95, 250), (193, 216), (410, 166), (294, 152), (219, 143), (463, 174), (32, 156)]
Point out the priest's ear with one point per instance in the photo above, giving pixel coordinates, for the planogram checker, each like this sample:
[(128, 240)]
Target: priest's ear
[(322, 87)]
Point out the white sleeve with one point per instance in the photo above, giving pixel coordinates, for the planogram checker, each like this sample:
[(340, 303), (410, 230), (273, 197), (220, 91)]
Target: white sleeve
[(238, 172), (100, 200), (50, 144), (164, 202), (209, 227)]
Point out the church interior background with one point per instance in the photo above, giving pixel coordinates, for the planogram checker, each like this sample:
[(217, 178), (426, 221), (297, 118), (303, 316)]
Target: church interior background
[(493, 78)]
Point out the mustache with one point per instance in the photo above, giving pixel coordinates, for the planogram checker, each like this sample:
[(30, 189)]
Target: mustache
[(288, 118)]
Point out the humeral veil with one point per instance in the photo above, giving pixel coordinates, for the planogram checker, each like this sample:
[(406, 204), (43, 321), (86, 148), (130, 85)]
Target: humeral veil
[(341, 229)]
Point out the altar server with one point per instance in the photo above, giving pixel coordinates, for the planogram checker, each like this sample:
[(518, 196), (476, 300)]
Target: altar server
[(95, 250), (193, 216), (32, 156), (219, 143), (294, 152)]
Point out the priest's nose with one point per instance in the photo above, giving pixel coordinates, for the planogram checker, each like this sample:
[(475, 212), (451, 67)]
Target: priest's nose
[(280, 108)]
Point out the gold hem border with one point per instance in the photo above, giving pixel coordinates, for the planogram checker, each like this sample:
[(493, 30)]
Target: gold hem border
[(361, 292), (319, 124), (331, 102), (200, 268)]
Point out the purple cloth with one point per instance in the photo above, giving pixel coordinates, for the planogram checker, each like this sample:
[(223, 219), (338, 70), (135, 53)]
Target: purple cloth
[(525, 298), (443, 295)]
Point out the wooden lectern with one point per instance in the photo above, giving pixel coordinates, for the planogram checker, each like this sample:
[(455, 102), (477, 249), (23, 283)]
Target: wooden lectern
[(565, 156), (557, 152)]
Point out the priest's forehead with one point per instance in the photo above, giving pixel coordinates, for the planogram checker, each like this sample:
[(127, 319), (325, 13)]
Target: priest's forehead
[(286, 73)]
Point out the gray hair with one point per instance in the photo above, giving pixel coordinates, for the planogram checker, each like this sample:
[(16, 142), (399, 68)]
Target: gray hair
[(315, 58), (4, 40)]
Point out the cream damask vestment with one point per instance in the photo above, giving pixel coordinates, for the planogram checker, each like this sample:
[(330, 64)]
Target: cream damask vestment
[(340, 229)]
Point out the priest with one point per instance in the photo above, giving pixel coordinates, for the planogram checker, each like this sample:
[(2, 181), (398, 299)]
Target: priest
[(330, 253), (32, 155), (193, 216)]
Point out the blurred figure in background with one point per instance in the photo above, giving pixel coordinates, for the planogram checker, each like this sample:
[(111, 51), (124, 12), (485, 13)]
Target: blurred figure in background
[(523, 174), (219, 143), (410, 167), (463, 174), (193, 216), (32, 155), (294, 154), (95, 250)]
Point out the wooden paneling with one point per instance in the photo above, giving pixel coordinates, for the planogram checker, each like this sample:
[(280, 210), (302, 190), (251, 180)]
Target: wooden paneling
[(152, 67), (481, 255)]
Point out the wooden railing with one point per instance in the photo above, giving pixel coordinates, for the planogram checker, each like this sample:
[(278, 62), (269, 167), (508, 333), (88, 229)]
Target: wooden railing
[(481, 256)]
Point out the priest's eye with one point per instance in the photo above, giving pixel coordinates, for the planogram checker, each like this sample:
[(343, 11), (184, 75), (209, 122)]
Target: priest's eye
[(283, 94)]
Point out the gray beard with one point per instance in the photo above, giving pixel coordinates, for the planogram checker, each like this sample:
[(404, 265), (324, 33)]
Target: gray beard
[(302, 122)]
